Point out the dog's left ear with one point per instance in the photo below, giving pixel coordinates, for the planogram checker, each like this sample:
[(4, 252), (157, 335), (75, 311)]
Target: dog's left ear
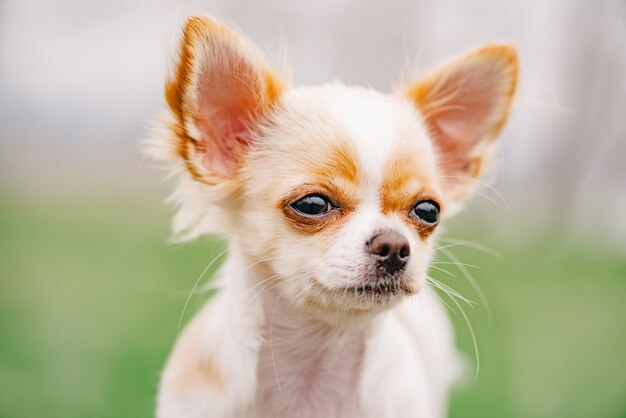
[(219, 92), (465, 104)]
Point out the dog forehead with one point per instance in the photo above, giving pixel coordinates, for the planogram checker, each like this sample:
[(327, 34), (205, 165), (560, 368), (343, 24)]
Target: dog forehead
[(370, 127)]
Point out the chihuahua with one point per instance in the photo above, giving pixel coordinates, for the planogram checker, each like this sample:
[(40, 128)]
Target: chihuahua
[(330, 197)]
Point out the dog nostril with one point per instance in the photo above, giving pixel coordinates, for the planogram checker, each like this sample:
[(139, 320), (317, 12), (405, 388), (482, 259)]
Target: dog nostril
[(391, 250), (405, 251)]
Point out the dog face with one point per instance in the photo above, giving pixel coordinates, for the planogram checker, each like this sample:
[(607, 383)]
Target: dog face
[(336, 190), (348, 195)]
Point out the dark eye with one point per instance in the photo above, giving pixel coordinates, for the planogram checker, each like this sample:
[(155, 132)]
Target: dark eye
[(312, 205), (427, 211)]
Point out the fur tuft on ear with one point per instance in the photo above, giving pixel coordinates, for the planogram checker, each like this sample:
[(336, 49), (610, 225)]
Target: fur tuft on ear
[(465, 104), (218, 92)]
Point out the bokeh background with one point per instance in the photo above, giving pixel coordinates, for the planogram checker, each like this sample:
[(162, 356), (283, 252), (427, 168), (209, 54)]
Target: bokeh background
[(91, 293)]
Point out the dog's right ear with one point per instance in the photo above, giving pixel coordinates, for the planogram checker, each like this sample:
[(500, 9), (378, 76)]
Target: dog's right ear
[(219, 91)]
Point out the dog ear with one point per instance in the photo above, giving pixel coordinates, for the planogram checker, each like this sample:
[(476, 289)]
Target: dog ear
[(465, 104), (219, 92)]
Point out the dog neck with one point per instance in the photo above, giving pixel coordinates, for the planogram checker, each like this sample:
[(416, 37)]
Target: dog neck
[(307, 367)]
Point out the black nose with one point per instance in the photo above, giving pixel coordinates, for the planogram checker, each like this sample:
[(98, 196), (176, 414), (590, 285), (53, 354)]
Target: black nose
[(391, 250)]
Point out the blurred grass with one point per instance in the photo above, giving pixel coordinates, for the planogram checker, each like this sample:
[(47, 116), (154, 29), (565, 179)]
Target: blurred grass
[(91, 295)]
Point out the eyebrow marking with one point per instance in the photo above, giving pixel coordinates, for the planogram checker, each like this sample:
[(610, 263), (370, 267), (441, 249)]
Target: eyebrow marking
[(401, 181), (403, 185), (334, 172), (341, 162)]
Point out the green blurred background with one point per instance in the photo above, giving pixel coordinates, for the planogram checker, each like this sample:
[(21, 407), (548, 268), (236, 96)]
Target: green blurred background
[(91, 292)]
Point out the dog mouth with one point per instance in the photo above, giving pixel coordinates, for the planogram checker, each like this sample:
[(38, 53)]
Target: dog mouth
[(379, 290), (361, 299), (370, 294), (382, 289)]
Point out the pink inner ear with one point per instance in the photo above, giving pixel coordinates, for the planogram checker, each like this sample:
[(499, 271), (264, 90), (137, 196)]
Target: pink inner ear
[(469, 102), (461, 110), (228, 99)]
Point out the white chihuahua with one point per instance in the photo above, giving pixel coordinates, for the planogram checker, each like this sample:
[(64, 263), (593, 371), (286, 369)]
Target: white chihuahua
[(330, 197)]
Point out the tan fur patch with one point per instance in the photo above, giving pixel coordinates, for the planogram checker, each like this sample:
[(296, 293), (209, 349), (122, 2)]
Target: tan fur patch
[(341, 164), (509, 56), (404, 185), (401, 182), (210, 373)]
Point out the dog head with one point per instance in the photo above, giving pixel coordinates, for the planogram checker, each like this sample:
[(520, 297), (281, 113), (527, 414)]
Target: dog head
[(336, 190)]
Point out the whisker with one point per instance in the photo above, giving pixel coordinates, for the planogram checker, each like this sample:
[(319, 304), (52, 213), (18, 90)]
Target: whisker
[(456, 264), (470, 244), (484, 184), (442, 270), (255, 295), (472, 334), (254, 287), (211, 286), (182, 314), (489, 198), (262, 260), (451, 292), (462, 268), (443, 301)]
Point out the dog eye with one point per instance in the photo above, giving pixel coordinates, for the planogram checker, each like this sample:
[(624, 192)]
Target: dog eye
[(312, 205), (427, 212)]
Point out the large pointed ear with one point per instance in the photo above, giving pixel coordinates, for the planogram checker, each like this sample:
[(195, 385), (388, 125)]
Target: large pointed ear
[(219, 92), (465, 104)]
